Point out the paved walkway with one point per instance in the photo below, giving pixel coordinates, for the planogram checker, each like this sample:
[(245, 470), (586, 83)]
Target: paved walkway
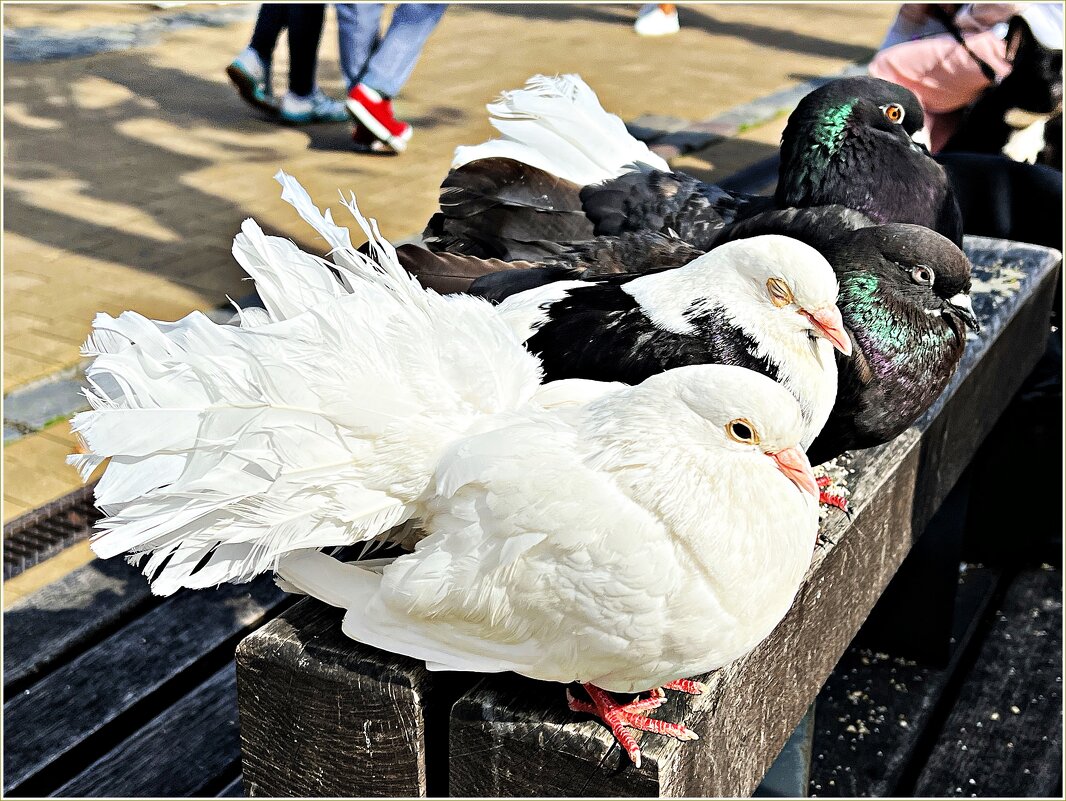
[(128, 169)]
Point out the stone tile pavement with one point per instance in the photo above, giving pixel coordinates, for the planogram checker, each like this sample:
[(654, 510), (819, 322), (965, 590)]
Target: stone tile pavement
[(129, 167)]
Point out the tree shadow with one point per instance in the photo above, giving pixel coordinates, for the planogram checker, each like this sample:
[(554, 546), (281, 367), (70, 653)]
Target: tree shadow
[(567, 12), (142, 152), (706, 18)]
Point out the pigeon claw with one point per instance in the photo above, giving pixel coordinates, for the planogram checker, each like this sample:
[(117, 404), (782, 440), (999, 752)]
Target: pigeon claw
[(827, 498), (640, 706), (632, 715), (687, 686)]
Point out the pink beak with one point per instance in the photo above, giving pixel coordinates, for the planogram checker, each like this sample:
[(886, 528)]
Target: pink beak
[(794, 464), (830, 325)]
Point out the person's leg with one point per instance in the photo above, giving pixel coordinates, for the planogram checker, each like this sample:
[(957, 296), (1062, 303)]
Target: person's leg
[(358, 28), (943, 75), (305, 31), (250, 70), (268, 25), (305, 102), (392, 63)]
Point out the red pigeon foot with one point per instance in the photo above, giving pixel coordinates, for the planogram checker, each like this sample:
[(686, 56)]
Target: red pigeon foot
[(632, 715), (687, 686), (827, 498)]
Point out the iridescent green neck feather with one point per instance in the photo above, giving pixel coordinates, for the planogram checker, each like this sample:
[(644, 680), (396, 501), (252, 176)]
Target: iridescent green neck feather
[(859, 294), (871, 316), (829, 133)]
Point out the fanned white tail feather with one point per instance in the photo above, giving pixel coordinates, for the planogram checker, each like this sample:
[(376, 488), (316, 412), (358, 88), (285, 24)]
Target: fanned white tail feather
[(317, 423), (558, 125)]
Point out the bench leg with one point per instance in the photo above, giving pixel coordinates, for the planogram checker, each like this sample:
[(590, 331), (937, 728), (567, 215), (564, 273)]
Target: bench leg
[(913, 619), (789, 776)]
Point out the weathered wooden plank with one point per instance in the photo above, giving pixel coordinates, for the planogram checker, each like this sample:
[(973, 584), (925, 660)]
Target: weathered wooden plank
[(180, 753), (1013, 290), (63, 618), (914, 617), (877, 708), (1004, 736), (754, 704), (79, 711), (1025, 449), (323, 716)]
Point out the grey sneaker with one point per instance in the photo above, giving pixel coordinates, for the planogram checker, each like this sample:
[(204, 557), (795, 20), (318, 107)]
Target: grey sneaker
[(252, 79), (316, 107)]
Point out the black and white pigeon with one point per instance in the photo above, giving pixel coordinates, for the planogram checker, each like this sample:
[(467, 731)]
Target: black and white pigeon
[(496, 279), (564, 170), (766, 303), (903, 300)]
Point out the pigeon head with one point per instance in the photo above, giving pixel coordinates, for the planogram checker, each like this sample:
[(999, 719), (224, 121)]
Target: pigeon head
[(828, 116), (784, 281), (853, 142), (739, 414), (914, 266)]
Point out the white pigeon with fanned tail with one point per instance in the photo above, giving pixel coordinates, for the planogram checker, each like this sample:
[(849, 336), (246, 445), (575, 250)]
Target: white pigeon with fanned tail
[(557, 124), (319, 425), (618, 536)]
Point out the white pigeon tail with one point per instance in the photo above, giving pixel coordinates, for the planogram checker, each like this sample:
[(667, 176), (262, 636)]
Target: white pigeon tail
[(319, 426), (557, 124)]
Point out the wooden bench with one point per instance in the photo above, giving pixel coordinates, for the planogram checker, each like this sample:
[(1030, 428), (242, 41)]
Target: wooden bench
[(324, 716), (109, 691)]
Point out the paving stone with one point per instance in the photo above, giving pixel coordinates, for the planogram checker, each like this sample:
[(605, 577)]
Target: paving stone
[(13, 509), (19, 369), (39, 405), (36, 472), (42, 44)]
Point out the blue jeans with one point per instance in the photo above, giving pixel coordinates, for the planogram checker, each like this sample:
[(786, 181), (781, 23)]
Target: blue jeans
[(384, 63)]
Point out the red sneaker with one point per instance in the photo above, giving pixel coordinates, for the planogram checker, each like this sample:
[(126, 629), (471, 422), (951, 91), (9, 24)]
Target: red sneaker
[(375, 112)]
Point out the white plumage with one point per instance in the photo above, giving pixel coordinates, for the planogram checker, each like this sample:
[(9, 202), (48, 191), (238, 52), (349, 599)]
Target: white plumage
[(557, 124), (231, 446), (624, 536), (624, 544)]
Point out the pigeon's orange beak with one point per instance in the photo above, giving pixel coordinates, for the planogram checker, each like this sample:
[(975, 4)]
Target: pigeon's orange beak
[(830, 325), (794, 464)]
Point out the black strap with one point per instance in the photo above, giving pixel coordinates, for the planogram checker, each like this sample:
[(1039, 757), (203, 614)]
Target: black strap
[(947, 19)]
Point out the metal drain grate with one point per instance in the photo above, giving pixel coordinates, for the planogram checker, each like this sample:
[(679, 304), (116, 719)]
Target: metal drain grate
[(46, 531)]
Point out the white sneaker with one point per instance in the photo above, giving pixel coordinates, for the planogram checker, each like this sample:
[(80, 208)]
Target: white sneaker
[(316, 107), (252, 79), (249, 61), (656, 22)]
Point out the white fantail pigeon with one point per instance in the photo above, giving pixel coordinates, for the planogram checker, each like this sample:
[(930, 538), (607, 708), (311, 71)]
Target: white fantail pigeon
[(618, 536)]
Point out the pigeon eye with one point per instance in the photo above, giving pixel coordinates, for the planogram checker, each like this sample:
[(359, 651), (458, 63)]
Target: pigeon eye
[(780, 292), (740, 430), (922, 274), (894, 112)]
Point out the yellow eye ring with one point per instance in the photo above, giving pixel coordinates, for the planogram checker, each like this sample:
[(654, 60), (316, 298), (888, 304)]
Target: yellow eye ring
[(894, 112), (780, 292), (742, 431)]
